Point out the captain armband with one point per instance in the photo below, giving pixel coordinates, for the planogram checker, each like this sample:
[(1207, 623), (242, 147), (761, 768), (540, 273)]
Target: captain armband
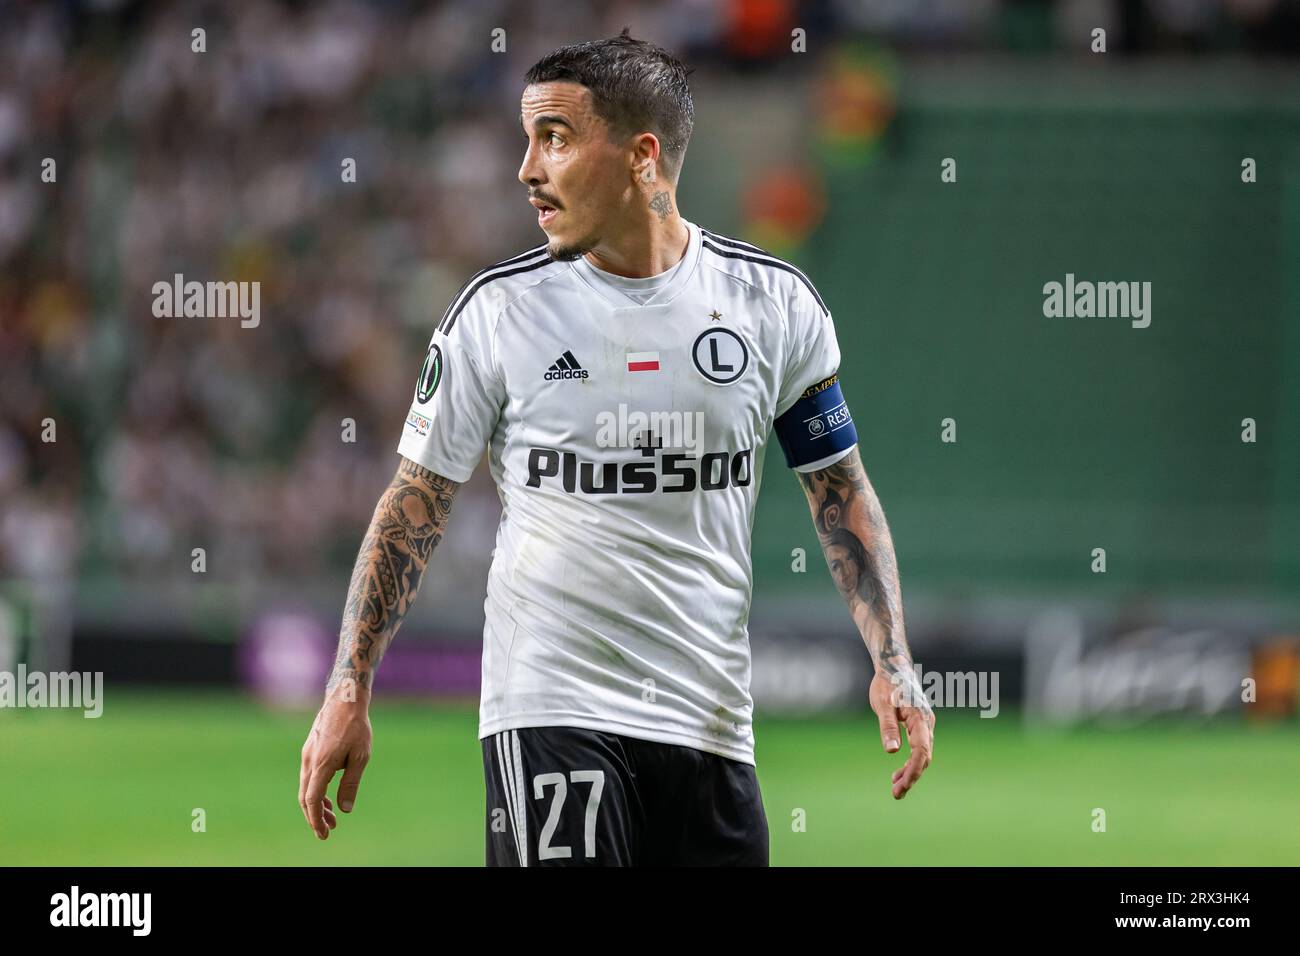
[(817, 429)]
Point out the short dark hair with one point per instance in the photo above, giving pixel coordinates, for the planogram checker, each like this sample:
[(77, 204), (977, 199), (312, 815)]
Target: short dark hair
[(636, 87)]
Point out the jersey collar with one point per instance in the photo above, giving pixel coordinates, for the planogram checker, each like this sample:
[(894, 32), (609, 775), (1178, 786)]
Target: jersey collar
[(585, 272)]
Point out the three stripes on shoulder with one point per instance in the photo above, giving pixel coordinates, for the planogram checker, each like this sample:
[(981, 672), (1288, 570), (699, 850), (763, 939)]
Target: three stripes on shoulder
[(538, 257)]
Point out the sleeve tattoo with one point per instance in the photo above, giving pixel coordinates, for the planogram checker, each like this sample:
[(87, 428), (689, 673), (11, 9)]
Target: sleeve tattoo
[(860, 553), (407, 525)]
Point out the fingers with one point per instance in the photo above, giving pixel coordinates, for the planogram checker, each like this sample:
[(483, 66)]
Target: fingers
[(331, 820), (889, 737), (339, 740), (920, 739), (312, 787), (314, 801), (327, 813), (880, 695), (303, 776), (304, 781), (305, 771), (905, 777), (351, 782)]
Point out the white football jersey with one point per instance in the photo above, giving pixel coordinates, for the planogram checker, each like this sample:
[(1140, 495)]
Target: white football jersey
[(625, 422)]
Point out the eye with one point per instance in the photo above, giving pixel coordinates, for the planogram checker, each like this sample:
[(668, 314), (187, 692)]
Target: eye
[(555, 138)]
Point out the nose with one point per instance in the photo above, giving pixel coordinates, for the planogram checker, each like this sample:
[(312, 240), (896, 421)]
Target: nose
[(531, 172)]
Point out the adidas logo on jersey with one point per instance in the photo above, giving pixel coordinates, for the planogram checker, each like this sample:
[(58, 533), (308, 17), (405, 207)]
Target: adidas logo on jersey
[(566, 366)]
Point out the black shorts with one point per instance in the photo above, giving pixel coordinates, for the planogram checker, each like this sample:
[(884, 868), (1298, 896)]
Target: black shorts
[(563, 796)]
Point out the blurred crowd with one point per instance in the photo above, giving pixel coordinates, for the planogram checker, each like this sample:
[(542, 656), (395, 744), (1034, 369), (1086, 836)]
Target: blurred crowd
[(228, 164)]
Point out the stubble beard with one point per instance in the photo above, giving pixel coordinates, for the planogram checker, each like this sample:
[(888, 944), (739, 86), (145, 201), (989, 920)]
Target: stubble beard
[(561, 252)]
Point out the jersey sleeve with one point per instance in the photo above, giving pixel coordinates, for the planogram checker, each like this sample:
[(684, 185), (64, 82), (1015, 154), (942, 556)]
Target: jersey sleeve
[(459, 394), (813, 423)]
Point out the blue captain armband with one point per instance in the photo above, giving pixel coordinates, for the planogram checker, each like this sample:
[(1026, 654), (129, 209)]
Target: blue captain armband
[(817, 427)]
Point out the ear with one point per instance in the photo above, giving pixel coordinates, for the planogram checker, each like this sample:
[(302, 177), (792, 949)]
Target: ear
[(646, 160)]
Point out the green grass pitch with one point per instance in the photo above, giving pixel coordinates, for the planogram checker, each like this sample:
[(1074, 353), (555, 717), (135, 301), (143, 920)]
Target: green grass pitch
[(120, 790)]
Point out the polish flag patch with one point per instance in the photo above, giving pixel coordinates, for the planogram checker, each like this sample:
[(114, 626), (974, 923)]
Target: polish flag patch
[(643, 361)]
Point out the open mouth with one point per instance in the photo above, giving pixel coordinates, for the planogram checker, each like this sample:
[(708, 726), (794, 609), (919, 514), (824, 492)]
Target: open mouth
[(545, 212)]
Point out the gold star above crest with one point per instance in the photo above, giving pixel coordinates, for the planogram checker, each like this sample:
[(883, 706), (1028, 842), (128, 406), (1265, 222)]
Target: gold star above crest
[(715, 315)]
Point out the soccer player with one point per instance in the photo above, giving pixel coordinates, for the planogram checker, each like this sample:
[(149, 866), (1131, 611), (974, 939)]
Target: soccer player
[(624, 378)]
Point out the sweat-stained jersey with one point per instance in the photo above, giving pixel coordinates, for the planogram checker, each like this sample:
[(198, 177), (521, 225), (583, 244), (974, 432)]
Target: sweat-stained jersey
[(625, 422)]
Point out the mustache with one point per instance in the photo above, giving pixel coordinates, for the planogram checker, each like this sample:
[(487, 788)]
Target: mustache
[(546, 199)]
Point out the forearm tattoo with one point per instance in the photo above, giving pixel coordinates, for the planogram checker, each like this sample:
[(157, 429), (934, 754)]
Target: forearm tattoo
[(860, 553), (407, 525)]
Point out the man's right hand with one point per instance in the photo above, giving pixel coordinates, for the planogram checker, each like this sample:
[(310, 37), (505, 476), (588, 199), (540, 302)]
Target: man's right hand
[(339, 740), (407, 525)]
